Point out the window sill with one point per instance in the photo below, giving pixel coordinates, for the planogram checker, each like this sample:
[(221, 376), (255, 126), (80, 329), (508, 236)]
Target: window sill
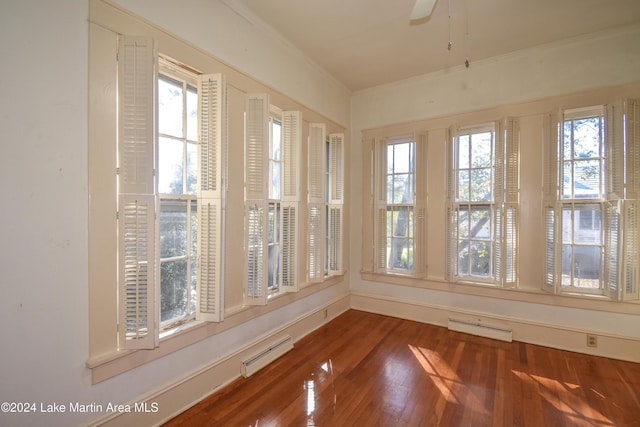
[(109, 365), (532, 295)]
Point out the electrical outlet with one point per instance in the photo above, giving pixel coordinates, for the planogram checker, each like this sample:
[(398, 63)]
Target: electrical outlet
[(592, 340)]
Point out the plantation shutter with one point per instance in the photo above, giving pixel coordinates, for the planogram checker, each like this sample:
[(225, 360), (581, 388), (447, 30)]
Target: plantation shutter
[(506, 202), (138, 314), (336, 202), (212, 96), (380, 188), (631, 251), (291, 164), (420, 232), (452, 210), (316, 199), (551, 208), (612, 224), (256, 193)]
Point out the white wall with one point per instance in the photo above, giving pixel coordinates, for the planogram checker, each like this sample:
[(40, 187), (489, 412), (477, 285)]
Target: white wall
[(250, 47), (585, 63), (43, 122)]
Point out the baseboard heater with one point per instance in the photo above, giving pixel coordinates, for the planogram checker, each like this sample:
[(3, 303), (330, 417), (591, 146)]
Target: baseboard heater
[(258, 361), (477, 328)]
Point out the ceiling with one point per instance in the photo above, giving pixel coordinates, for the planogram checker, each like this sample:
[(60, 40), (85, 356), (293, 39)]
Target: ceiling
[(364, 43)]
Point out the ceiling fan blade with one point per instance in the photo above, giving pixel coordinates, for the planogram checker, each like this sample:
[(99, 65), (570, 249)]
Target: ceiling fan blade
[(422, 9)]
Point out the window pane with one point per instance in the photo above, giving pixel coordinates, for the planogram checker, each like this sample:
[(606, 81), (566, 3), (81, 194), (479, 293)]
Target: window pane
[(173, 228), (463, 257), (192, 114), (481, 149), (402, 189), (403, 158), (480, 258), (463, 222), (586, 224), (194, 228), (480, 185), (192, 168), (567, 262), (173, 295), (567, 180), (567, 220), (194, 278), (170, 166), (390, 158), (587, 179), (463, 186), (274, 192), (390, 189), (170, 107), (463, 152), (481, 222), (586, 266), (586, 138), (276, 142)]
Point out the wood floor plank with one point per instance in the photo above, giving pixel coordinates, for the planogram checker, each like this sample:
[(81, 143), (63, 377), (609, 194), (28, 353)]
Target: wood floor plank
[(363, 369)]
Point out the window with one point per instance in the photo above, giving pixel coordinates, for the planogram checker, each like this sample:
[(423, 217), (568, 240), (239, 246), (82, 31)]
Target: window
[(483, 203), (272, 150), (400, 194), (177, 179), (400, 197), (178, 257), (275, 190), (582, 189), (590, 191), (325, 200)]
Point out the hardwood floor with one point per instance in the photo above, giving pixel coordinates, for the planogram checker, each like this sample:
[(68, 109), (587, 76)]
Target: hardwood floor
[(364, 369)]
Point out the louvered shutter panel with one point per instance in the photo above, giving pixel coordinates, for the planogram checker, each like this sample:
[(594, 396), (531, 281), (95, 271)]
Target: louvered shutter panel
[(212, 103), (631, 251), (508, 133), (614, 146), (336, 202), (498, 205), (256, 193), (316, 199), (613, 245), (551, 207), (291, 163), (380, 188), (137, 261), (632, 142), (452, 211), (420, 233)]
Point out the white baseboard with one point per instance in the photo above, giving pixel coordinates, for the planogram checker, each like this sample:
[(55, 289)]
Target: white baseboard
[(177, 397), (524, 330)]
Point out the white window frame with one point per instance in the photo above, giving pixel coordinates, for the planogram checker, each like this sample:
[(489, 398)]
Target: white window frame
[(618, 203), (503, 205), (258, 119), (187, 80), (138, 199), (416, 206)]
